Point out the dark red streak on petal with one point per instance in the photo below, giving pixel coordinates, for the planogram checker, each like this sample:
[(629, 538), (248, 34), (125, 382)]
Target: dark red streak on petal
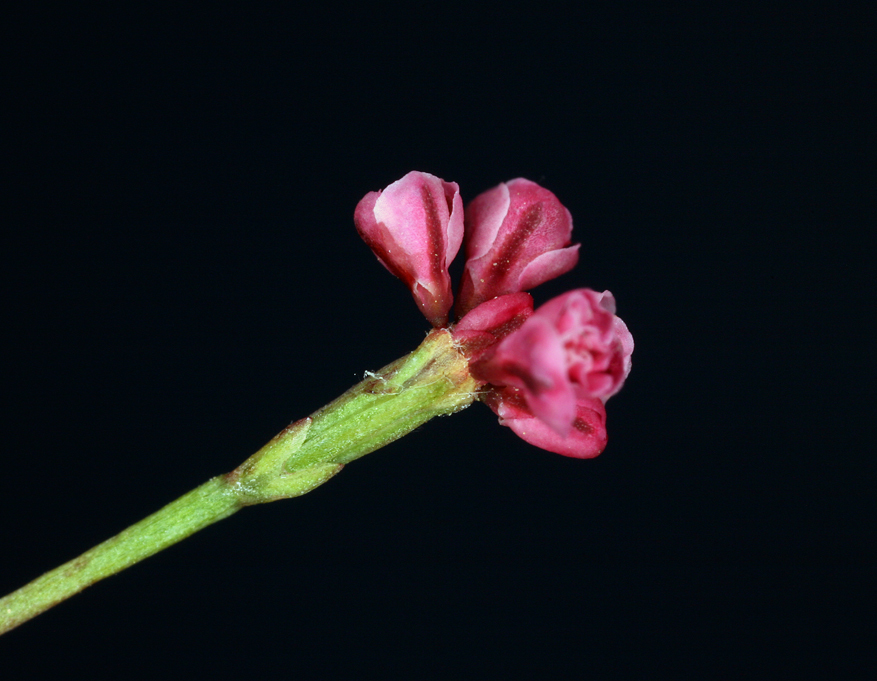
[(434, 231), (508, 251)]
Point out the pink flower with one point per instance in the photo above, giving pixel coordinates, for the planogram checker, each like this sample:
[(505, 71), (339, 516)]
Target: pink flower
[(517, 237), (415, 228), (546, 374), (551, 377)]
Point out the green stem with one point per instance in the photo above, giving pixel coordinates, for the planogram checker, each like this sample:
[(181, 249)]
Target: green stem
[(433, 380), (203, 506)]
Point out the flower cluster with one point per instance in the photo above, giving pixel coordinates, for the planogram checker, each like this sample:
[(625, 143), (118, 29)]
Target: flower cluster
[(546, 373)]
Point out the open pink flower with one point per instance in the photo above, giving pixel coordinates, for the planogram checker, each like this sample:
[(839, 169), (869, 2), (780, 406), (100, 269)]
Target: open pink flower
[(415, 228), (551, 377), (517, 237)]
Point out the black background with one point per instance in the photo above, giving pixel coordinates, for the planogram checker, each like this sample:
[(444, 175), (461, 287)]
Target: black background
[(182, 278)]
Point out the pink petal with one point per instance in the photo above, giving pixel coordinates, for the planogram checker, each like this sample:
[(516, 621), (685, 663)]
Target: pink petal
[(486, 214), (586, 439), (533, 360), (482, 328), (549, 266)]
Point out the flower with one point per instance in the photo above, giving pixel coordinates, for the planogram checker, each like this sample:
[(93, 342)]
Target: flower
[(517, 237), (547, 374), (415, 228), (550, 378)]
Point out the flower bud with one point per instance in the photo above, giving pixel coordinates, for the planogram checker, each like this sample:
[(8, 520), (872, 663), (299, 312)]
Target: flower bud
[(415, 228), (517, 237)]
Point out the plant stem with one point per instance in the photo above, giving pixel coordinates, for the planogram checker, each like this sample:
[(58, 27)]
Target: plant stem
[(203, 506), (433, 380)]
